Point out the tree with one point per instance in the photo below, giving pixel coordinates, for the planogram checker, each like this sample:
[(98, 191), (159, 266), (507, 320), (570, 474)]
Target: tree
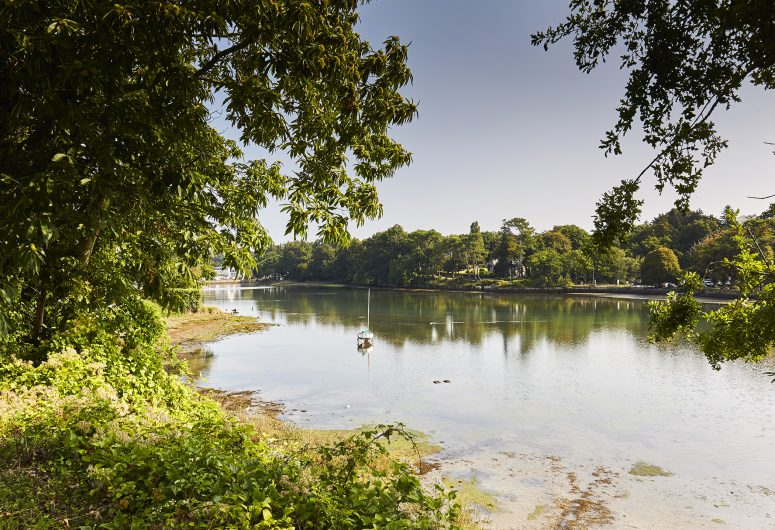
[(453, 260), (268, 264), (613, 266), (323, 258), (474, 247), (578, 236), (548, 268), (556, 241), (769, 213), (676, 229), (742, 329), (517, 242), (491, 242), (686, 59), (710, 257), (116, 184), (506, 253), (424, 256), (383, 255), (578, 266), (660, 266)]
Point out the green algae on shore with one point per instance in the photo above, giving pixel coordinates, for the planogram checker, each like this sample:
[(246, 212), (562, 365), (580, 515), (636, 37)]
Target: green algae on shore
[(191, 330), (644, 469), (469, 493)]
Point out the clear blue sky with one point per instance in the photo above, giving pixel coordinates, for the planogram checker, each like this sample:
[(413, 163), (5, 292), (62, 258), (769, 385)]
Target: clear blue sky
[(508, 130)]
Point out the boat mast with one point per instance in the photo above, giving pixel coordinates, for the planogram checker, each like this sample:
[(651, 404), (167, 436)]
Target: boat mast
[(368, 307)]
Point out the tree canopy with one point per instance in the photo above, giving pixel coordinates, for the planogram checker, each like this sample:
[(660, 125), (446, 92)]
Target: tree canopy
[(660, 266), (686, 59), (115, 179)]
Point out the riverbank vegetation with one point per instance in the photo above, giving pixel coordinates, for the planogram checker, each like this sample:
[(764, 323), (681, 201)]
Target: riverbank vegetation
[(192, 329), (101, 435), (657, 253)]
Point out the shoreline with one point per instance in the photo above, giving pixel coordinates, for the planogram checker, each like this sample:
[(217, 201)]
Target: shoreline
[(629, 293), (528, 488), (191, 331), (247, 406)]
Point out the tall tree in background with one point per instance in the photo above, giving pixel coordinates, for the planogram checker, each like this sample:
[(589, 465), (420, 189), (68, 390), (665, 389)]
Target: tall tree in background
[(474, 248), (116, 184), (686, 60), (518, 241)]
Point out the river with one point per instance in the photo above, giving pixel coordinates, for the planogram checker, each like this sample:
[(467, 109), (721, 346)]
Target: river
[(540, 387)]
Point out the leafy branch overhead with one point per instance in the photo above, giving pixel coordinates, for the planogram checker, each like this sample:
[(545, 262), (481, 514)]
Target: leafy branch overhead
[(115, 177), (686, 59)]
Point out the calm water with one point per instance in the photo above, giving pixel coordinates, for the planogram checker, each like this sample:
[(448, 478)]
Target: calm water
[(568, 376)]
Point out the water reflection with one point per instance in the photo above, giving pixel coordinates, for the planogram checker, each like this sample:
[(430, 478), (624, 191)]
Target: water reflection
[(406, 318), (572, 376)]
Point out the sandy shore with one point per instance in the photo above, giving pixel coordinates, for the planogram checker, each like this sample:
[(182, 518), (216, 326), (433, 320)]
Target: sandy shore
[(536, 491)]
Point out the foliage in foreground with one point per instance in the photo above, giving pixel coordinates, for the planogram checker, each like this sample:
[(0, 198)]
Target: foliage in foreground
[(743, 329), (115, 177), (100, 435)]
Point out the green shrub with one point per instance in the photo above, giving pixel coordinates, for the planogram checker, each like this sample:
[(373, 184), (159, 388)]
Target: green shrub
[(100, 435)]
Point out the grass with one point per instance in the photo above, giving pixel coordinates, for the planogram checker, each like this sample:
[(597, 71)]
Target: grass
[(643, 469), (191, 330)]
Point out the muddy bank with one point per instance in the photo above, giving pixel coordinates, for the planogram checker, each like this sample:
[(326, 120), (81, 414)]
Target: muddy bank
[(190, 331)]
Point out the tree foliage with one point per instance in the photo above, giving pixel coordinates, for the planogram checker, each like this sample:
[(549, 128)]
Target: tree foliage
[(560, 256), (660, 266), (100, 435), (117, 183), (685, 60), (743, 329)]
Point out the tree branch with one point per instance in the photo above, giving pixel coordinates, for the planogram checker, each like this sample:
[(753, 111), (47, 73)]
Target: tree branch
[(701, 118), (209, 65)]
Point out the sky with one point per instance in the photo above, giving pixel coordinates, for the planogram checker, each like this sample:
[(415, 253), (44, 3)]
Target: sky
[(507, 130)]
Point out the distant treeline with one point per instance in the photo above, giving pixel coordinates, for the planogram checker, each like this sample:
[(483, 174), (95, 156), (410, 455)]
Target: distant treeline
[(517, 254)]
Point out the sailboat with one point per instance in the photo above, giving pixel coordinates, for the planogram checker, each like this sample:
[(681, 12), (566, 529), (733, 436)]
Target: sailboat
[(366, 337)]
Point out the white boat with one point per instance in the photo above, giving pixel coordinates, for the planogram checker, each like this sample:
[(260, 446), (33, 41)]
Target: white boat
[(366, 337)]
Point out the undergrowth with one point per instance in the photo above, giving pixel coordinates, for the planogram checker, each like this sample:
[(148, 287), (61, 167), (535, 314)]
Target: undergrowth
[(100, 435)]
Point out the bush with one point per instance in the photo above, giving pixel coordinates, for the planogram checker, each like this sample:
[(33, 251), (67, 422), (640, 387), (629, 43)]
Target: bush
[(100, 435)]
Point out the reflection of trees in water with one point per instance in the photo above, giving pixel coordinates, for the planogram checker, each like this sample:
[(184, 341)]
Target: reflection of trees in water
[(199, 361), (400, 317)]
